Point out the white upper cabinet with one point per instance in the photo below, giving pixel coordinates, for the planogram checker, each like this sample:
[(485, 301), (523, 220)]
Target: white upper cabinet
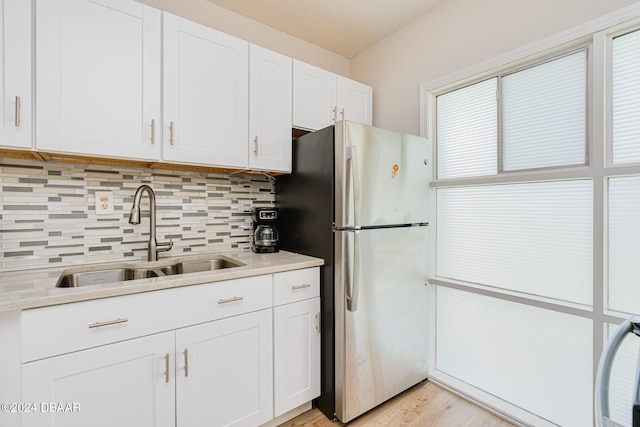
[(269, 110), (98, 78), (15, 73), (206, 92), (354, 101), (321, 98), (314, 96)]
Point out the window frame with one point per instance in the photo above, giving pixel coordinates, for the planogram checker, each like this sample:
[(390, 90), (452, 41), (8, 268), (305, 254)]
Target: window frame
[(610, 35), (507, 70), (598, 36), (587, 137)]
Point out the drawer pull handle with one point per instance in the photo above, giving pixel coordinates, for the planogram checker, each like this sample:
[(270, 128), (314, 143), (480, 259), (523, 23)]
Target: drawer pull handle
[(110, 322), (318, 322), (153, 131), (234, 299), (17, 122), (296, 287), (186, 362), (166, 368), (171, 130)]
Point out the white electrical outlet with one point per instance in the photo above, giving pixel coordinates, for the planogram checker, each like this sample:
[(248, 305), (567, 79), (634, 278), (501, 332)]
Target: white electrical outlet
[(104, 202)]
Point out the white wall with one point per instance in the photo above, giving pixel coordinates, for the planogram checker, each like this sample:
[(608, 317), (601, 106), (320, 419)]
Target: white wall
[(214, 16), (455, 35)]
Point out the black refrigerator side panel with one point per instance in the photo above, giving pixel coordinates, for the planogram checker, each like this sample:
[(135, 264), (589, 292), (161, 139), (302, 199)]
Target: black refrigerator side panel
[(306, 202)]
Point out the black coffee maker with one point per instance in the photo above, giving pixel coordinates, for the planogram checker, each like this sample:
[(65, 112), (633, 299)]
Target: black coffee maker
[(265, 234)]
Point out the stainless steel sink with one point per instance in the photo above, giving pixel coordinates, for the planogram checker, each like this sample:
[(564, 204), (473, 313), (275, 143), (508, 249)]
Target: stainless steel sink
[(93, 275), (98, 277), (196, 266)]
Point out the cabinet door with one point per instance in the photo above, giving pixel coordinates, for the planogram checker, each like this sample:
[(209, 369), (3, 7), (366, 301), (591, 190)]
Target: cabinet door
[(355, 101), (98, 78), (122, 384), (269, 110), (15, 73), (314, 96), (206, 95), (224, 372), (296, 346)]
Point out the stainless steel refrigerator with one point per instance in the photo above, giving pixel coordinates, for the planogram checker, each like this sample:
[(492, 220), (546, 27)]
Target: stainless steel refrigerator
[(358, 197)]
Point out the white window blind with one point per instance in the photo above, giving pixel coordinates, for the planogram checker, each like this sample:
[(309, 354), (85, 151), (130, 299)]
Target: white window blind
[(626, 98), (544, 115), (534, 238), (467, 131), (536, 359), (624, 244)]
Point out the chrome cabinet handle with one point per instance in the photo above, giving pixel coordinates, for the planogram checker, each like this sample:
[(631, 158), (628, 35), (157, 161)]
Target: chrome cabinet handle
[(342, 113), (334, 113), (255, 145), (234, 299), (110, 322), (17, 122), (166, 368), (186, 362), (304, 286), (171, 133), (153, 131), (318, 322)]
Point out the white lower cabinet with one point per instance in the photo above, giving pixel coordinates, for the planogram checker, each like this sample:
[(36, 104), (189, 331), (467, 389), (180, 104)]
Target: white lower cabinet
[(121, 384), (217, 354), (217, 373), (296, 347), (224, 374), (296, 338)]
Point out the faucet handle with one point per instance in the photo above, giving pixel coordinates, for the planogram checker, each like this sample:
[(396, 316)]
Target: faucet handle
[(166, 246)]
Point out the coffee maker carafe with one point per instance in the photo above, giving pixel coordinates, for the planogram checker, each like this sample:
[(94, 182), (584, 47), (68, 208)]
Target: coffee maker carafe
[(265, 234)]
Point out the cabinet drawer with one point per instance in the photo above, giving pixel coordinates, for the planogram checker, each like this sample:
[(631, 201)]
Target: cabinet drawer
[(50, 331), (224, 299), (296, 285), (59, 329)]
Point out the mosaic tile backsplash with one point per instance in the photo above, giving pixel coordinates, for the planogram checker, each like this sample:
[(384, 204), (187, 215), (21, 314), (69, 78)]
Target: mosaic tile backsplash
[(48, 216)]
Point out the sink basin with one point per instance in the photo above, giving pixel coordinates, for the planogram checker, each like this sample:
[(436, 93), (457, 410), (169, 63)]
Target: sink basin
[(196, 266), (97, 277), (86, 276)]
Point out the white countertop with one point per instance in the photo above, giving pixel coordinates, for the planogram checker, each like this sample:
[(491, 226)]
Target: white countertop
[(21, 290)]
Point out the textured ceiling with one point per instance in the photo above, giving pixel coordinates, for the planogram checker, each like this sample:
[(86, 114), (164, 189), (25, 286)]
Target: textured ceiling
[(345, 27)]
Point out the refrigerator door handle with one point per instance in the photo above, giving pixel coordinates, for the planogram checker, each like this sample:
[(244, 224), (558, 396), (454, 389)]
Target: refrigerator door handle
[(354, 276), (352, 160)]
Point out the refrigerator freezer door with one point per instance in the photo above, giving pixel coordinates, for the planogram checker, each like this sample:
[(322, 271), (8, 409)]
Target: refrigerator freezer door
[(387, 176), (381, 315)]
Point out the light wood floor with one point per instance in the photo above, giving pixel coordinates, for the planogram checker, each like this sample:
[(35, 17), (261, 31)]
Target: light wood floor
[(425, 405)]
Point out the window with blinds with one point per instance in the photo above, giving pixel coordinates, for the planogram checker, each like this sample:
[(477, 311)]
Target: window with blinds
[(537, 359), (535, 269), (625, 121), (538, 121), (467, 131), (531, 238), (624, 244), (534, 238), (544, 115)]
